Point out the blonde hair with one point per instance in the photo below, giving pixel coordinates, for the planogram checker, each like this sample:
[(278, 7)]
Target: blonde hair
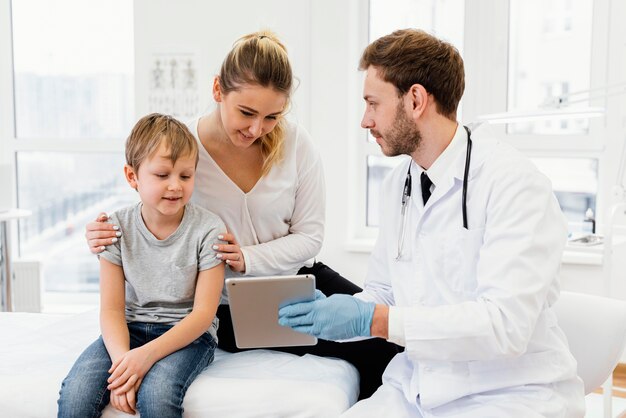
[(154, 129), (260, 58)]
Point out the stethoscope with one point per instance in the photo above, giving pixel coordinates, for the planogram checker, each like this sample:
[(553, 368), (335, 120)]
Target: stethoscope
[(406, 193)]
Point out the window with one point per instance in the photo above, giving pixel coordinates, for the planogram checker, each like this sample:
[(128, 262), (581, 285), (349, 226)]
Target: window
[(575, 184), (74, 107), (73, 79), (77, 187), (546, 61), (378, 166)]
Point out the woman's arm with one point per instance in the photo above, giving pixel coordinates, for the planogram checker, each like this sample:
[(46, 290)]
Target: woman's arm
[(129, 370), (101, 233)]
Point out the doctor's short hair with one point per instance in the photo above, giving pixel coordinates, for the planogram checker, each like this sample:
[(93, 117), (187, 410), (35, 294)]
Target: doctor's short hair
[(412, 56), (155, 129)]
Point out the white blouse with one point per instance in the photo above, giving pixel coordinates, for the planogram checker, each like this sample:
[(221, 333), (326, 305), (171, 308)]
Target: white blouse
[(279, 224)]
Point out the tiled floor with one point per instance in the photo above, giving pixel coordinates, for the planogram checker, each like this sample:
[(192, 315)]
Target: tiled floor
[(594, 406)]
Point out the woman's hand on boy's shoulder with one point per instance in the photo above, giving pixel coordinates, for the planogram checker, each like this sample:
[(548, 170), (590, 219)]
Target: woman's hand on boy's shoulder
[(100, 233), (231, 252)]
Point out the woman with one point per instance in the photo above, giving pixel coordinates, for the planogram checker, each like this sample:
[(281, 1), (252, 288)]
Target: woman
[(261, 175)]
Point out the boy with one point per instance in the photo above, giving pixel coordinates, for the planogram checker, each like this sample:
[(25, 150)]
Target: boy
[(159, 287)]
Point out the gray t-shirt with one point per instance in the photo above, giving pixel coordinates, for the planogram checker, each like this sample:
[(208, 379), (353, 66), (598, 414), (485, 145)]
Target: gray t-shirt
[(161, 275)]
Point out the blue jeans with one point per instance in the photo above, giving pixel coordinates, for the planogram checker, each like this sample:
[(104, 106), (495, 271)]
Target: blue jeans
[(84, 391)]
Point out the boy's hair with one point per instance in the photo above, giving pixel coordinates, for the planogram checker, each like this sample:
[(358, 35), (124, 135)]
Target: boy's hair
[(412, 56), (152, 130), (260, 58)]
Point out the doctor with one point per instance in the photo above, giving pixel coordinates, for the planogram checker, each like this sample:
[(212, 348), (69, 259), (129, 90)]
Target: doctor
[(464, 271)]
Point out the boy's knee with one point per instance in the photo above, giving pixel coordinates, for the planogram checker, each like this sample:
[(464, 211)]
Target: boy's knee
[(159, 402), (81, 396), (76, 401)]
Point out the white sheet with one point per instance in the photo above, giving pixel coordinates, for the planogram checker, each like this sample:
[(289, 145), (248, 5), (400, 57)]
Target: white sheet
[(37, 351)]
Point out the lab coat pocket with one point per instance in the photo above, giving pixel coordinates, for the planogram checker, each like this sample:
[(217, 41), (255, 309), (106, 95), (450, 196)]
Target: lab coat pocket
[(461, 253)]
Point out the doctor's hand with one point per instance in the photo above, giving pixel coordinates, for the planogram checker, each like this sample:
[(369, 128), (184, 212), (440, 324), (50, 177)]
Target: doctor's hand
[(337, 317)]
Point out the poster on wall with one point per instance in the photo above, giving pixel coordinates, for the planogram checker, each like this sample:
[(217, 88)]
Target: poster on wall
[(173, 86)]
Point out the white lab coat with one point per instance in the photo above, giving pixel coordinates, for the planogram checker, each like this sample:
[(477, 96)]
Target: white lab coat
[(477, 303)]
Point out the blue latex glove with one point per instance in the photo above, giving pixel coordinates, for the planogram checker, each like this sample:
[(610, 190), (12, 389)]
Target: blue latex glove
[(337, 317)]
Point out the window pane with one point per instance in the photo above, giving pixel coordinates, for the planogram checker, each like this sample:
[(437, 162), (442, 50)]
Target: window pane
[(377, 168), (549, 55), (65, 191), (575, 184), (73, 64)]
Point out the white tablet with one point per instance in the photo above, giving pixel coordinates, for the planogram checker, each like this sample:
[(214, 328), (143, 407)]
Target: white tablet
[(254, 304)]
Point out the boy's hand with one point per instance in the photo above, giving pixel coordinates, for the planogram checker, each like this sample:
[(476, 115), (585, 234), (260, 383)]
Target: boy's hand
[(128, 370), (125, 402)]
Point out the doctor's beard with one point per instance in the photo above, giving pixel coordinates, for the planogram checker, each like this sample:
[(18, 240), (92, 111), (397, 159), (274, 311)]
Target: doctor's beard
[(403, 137)]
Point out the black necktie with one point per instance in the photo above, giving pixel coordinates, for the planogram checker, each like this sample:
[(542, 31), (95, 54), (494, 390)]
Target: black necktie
[(426, 183)]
